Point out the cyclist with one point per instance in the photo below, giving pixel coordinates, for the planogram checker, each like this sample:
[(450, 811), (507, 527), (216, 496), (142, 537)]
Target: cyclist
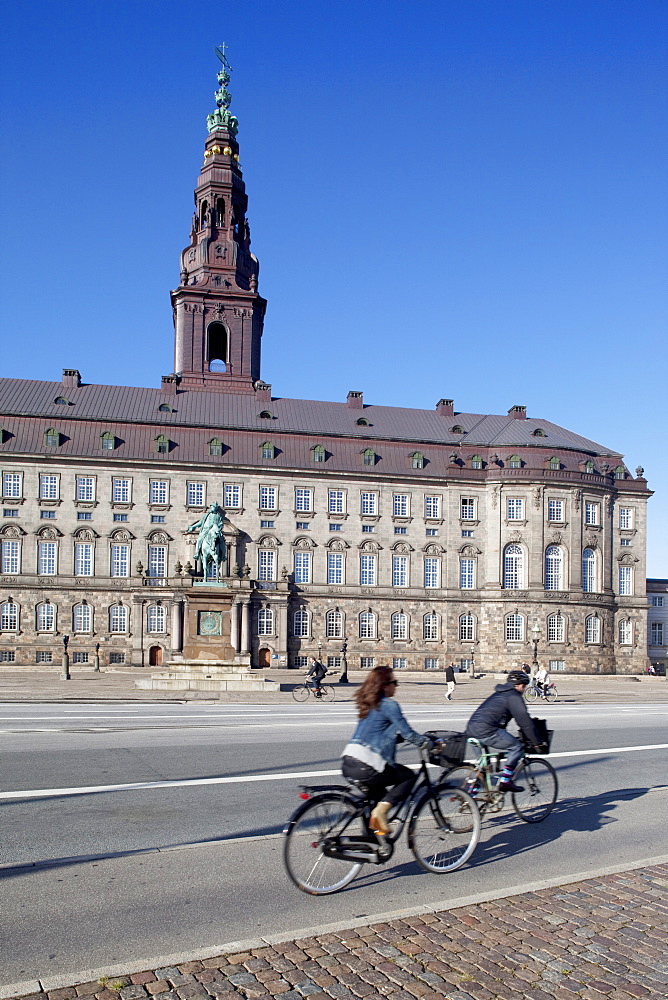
[(369, 757), (542, 680), (317, 671), (488, 724)]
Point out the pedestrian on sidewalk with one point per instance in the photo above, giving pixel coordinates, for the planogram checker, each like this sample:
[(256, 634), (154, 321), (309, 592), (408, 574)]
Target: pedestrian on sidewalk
[(450, 681)]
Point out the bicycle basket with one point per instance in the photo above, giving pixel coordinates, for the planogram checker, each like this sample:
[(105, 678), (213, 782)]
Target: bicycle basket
[(543, 733), (453, 750)]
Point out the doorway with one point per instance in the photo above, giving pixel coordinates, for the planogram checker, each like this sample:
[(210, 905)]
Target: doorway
[(155, 656), (264, 658)]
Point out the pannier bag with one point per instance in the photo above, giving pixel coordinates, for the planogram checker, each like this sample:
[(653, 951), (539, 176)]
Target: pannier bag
[(544, 735), (453, 750)]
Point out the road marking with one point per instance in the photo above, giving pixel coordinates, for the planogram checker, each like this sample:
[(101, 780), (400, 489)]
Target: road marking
[(42, 793)]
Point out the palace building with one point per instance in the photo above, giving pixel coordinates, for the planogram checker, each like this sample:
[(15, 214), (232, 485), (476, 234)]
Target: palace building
[(421, 537)]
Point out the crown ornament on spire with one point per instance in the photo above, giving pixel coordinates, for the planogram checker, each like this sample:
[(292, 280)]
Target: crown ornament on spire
[(221, 117)]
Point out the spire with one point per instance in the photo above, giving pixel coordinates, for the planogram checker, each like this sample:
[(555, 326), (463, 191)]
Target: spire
[(222, 117), (218, 313)]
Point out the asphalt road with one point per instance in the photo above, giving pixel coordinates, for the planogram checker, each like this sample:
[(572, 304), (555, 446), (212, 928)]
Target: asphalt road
[(215, 785)]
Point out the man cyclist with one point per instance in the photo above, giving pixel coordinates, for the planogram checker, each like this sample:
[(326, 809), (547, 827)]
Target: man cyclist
[(488, 724), (317, 671)]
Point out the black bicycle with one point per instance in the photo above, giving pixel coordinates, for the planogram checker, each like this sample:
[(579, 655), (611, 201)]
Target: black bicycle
[(302, 692), (328, 838)]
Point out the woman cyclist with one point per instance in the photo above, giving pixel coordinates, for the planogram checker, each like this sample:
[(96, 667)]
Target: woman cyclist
[(369, 757)]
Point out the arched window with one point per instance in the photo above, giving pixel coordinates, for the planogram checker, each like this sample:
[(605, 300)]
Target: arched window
[(162, 444), (334, 625), (220, 212), (367, 625), (589, 571), (362, 422), (61, 401), (457, 429), (45, 618), (430, 626), (625, 632), (215, 446), (318, 453), (82, 618), (368, 457), (514, 462), (556, 628), (265, 621), (466, 628), (539, 433), (203, 214), (9, 617), (399, 622), (118, 618), (514, 628), (592, 629), (107, 441), (554, 463), (156, 618), (589, 466), (268, 450), (417, 460), (620, 472), (513, 567), (300, 624), (52, 438), (217, 347), (165, 408), (476, 462), (554, 568)]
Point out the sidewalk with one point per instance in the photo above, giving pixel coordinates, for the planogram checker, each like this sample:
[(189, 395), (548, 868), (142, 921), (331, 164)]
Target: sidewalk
[(45, 685), (604, 937)]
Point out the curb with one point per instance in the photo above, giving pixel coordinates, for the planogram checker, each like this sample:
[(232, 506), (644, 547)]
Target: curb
[(14, 990)]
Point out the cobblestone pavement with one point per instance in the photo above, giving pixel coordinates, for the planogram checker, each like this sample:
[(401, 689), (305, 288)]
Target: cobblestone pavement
[(604, 938)]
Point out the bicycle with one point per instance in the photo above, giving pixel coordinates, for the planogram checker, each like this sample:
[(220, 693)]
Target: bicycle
[(536, 774), (302, 691), (532, 692), (328, 838)]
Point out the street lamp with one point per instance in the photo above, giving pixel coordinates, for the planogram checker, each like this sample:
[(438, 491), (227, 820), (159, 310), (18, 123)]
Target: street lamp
[(343, 679), (472, 663), (65, 674), (536, 633)]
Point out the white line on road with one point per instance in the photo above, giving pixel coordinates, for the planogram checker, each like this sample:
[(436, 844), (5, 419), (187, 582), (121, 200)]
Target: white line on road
[(42, 793)]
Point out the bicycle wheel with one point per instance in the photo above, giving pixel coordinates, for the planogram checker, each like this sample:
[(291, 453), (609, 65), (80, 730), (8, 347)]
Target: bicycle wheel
[(551, 693), (467, 777), (444, 829), (321, 817), (530, 693), (301, 692), (540, 789), (328, 693)]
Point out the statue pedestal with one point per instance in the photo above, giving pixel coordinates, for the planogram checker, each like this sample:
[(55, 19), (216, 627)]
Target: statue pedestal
[(208, 675)]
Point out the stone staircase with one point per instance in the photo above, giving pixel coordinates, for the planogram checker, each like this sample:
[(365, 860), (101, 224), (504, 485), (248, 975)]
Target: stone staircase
[(207, 675)]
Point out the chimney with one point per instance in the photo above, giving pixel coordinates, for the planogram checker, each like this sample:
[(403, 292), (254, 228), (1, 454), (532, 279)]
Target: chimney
[(355, 400), (263, 391), (446, 407), (169, 384), (518, 412), (71, 378)]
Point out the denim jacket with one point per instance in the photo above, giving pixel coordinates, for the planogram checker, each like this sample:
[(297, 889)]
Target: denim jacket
[(378, 731)]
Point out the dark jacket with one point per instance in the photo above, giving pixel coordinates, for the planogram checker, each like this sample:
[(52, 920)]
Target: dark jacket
[(317, 670), (496, 712), (450, 675)]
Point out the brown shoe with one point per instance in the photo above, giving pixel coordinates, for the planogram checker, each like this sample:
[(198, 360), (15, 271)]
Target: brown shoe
[(378, 820)]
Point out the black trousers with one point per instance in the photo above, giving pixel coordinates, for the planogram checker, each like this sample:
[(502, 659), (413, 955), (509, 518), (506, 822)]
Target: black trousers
[(398, 778)]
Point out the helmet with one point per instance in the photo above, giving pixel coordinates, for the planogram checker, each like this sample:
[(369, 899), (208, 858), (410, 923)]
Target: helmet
[(518, 677)]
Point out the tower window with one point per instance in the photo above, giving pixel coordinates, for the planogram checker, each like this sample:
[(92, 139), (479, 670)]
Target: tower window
[(217, 353)]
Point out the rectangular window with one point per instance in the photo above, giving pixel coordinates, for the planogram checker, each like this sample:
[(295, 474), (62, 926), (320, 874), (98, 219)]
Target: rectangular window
[(369, 503), (47, 558), (47, 515), (336, 502), (122, 517), (657, 601), (625, 580), (83, 559), (301, 662), (116, 657), (625, 541), (467, 509), (302, 567), (10, 512), (79, 657), (555, 510), (120, 560), (7, 656), (431, 663), (367, 529), (335, 567), (303, 526), (266, 524), (334, 526), (11, 556), (195, 494), (592, 513), (157, 561), (400, 505), (431, 532), (467, 574), (85, 489), (399, 663), (266, 564), (399, 529), (158, 491), (515, 509), (268, 498), (400, 571), (656, 633), (626, 518), (121, 490), (557, 665), (303, 499), (367, 571), (334, 662), (367, 662), (84, 515), (431, 572), (48, 487), (157, 518), (432, 507), (43, 656), (467, 533), (11, 485), (232, 496)]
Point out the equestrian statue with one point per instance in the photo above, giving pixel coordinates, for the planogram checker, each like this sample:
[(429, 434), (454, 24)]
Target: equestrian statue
[(211, 545)]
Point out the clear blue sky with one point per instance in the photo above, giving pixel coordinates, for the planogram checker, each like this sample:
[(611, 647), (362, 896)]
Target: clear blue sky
[(462, 199)]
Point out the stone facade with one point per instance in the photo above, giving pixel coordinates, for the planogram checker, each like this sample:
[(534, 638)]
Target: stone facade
[(657, 624), (421, 537)]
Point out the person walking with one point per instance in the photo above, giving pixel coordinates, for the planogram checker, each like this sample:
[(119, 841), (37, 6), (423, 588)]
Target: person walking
[(370, 754), (450, 681)]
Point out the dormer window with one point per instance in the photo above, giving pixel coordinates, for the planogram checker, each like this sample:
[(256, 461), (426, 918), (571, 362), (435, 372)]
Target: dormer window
[(362, 422), (539, 433), (318, 453), (52, 438), (514, 462), (162, 444), (417, 460), (266, 415), (268, 450), (589, 466), (215, 446), (476, 462), (620, 472), (61, 401), (166, 408), (107, 441), (457, 429), (554, 463), (368, 457)]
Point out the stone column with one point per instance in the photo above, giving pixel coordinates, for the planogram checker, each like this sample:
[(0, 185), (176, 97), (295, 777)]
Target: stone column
[(282, 644), (177, 627), (234, 627), (245, 627)]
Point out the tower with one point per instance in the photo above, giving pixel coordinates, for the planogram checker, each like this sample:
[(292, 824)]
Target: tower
[(218, 314)]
